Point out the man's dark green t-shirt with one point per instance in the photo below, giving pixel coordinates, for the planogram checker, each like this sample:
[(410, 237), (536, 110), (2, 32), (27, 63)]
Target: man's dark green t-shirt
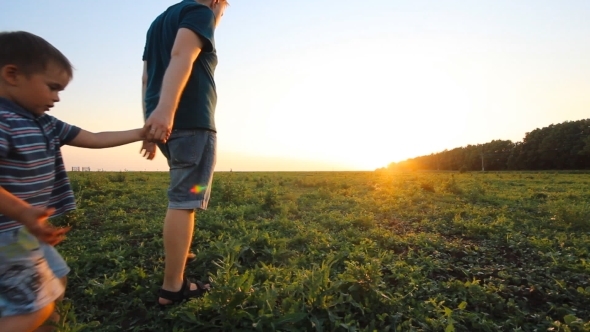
[(196, 109)]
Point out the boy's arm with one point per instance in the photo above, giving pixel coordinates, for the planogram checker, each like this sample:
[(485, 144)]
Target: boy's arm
[(106, 139), (186, 49), (32, 217)]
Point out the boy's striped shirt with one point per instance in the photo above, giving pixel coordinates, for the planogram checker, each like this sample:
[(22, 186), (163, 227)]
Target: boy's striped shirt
[(31, 164)]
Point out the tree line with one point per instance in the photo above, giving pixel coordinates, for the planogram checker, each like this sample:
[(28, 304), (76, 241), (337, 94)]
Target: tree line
[(564, 146)]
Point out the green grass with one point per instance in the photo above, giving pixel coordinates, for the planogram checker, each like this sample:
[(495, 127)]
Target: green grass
[(357, 251)]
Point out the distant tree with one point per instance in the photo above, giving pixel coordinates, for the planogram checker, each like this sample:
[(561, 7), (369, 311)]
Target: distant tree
[(586, 149), (558, 146), (516, 159)]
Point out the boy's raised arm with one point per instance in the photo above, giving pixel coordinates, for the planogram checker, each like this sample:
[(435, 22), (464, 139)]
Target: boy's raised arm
[(107, 139)]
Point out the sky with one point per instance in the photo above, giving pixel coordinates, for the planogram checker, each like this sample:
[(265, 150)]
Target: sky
[(331, 85)]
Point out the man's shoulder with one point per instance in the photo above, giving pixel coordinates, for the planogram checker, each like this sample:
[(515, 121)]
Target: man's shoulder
[(194, 8), (180, 12), (190, 4)]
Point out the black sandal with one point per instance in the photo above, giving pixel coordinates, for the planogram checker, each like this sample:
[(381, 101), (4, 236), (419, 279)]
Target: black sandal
[(183, 294), (191, 257)]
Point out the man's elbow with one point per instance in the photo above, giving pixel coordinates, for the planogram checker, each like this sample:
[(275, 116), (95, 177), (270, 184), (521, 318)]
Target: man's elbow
[(184, 57)]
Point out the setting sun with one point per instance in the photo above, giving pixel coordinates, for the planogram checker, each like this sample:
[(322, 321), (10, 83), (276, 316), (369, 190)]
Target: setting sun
[(356, 90), (295, 166)]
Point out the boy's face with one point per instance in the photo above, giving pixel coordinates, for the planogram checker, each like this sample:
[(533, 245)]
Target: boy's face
[(37, 93)]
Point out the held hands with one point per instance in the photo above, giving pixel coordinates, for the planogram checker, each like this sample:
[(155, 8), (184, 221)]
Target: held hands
[(34, 219), (158, 126)]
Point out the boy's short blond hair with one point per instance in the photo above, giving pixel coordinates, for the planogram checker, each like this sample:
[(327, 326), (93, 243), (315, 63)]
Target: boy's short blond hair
[(30, 53)]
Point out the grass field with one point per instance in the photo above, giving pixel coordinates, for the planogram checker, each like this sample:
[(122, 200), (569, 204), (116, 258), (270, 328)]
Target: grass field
[(358, 251)]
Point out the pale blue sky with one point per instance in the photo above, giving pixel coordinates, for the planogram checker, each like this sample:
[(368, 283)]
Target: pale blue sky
[(333, 85)]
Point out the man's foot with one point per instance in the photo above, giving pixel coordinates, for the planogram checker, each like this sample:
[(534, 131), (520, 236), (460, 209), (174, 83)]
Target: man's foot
[(187, 291)]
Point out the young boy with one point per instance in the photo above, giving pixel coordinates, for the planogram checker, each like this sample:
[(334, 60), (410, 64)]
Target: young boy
[(179, 106), (33, 181)]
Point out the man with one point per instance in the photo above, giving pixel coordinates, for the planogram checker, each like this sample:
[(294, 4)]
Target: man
[(179, 106)]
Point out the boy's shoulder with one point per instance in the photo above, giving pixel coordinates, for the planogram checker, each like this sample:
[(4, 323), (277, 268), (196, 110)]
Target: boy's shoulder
[(14, 119), (10, 110), (10, 118), (18, 123)]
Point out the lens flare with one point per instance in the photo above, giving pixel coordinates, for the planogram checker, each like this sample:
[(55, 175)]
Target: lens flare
[(198, 189)]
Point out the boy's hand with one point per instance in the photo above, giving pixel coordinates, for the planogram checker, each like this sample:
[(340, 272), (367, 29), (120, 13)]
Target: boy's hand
[(148, 149), (158, 126), (35, 220)]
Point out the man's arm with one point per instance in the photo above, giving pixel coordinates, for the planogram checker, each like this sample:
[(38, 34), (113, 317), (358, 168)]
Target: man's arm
[(144, 81), (148, 149), (186, 49), (106, 139)]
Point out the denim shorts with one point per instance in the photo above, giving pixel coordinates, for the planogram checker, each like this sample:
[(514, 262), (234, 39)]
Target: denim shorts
[(29, 273), (191, 157)]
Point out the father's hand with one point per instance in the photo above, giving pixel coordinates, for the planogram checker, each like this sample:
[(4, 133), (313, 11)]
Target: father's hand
[(158, 126)]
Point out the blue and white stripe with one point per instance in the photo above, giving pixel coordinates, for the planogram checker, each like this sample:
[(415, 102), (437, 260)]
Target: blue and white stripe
[(31, 164)]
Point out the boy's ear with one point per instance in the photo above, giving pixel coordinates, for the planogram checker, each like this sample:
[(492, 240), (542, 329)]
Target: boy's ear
[(9, 74)]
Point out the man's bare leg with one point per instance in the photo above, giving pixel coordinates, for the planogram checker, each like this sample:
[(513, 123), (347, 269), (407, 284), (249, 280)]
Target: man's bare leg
[(178, 233)]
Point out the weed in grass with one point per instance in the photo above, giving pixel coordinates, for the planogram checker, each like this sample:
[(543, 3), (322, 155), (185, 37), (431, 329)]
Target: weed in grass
[(451, 186), (427, 186), (118, 177), (565, 214)]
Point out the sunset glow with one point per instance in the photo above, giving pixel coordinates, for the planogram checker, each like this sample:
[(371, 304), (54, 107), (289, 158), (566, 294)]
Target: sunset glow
[(355, 90)]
